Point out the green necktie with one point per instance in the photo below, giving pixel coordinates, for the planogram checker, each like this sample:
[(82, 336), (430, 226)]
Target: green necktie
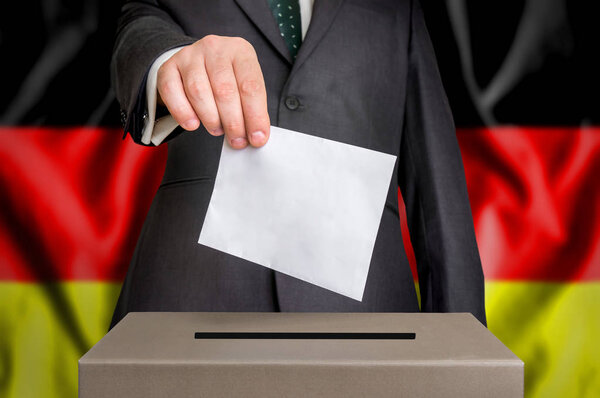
[(287, 15)]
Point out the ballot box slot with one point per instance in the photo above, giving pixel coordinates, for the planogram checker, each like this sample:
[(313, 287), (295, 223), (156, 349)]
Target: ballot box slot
[(306, 335)]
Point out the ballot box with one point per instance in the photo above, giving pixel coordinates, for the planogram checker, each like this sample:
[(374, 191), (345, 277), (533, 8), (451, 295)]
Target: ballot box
[(258, 354)]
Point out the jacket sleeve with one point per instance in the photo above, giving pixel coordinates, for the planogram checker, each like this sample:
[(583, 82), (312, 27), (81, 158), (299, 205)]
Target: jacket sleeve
[(145, 31), (432, 182)]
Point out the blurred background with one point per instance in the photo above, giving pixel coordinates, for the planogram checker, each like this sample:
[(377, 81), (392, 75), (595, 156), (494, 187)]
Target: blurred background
[(521, 77)]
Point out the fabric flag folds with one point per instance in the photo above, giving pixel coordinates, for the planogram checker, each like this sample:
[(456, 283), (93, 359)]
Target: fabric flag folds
[(73, 200)]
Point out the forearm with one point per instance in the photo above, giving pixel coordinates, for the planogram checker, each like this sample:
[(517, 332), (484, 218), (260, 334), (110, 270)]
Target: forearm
[(144, 32)]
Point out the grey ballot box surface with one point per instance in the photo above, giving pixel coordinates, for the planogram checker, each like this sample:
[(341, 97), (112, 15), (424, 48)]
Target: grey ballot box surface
[(156, 354)]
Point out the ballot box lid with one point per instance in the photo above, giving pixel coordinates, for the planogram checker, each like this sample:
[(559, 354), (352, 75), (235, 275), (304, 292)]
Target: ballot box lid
[(170, 337)]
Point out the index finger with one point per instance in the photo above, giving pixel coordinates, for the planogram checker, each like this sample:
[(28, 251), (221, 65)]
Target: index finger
[(253, 96)]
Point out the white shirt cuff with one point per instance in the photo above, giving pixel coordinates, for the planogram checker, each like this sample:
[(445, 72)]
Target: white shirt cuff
[(155, 131)]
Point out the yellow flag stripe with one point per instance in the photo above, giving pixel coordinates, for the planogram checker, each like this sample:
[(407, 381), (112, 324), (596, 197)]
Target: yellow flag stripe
[(554, 329), (46, 328)]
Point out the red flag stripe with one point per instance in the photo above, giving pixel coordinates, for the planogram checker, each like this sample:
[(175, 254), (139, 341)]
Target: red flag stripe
[(73, 200), (535, 198)]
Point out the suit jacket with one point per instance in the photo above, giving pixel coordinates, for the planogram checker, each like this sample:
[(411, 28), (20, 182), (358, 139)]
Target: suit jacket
[(365, 75)]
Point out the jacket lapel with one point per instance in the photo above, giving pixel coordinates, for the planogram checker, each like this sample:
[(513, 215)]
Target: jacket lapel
[(260, 14), (323, 14)]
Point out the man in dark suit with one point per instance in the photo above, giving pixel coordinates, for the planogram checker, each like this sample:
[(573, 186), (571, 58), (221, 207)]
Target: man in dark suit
[(365, 74)]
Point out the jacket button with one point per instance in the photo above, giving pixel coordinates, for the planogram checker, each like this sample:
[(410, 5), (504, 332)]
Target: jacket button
[(123, 118), (292, 103)]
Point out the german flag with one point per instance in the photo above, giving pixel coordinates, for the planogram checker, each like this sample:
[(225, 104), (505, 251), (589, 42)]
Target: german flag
[(73, 195)]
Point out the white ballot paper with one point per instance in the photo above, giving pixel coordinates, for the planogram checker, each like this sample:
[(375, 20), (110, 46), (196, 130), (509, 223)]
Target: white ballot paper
[(301, 205)]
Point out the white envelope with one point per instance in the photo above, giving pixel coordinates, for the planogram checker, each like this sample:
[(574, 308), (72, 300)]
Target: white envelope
[(301, 205)]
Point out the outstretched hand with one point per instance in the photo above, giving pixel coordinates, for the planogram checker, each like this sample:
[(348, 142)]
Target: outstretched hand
[(217, 81)]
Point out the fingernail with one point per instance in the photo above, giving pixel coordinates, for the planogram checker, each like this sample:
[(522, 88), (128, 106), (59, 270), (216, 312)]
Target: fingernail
[(191, 124), (258, 136), (238, 142), (218, 131)]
